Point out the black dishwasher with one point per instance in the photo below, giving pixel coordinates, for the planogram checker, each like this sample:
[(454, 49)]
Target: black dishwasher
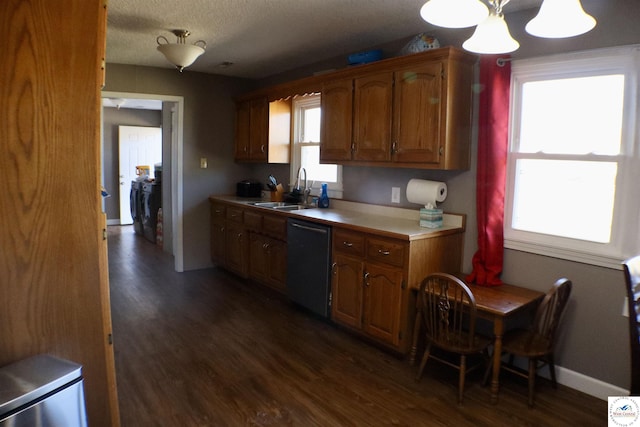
[(309, 265)]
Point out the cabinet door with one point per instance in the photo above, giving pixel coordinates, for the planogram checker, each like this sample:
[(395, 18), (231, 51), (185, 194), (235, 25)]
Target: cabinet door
[(418, 114), (382, 302), (259, 130), (346, 291), (252, 128), (336, 121), (373, 97), (258, 258), (243, 131), (218, 242), (277, 251), (236, 248)]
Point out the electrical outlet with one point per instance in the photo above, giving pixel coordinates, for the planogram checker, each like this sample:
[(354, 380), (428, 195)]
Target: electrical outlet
[(625, 307), (395, 194), (203, 162)]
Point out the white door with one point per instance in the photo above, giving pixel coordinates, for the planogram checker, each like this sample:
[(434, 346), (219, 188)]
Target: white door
[(137, 146)]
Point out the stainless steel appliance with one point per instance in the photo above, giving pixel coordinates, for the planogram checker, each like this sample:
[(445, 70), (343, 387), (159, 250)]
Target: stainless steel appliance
[(42, 391), (135, 203), (151, 202), (309, 265)]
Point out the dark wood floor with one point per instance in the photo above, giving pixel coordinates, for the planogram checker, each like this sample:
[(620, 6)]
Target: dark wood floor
[(203, 348)]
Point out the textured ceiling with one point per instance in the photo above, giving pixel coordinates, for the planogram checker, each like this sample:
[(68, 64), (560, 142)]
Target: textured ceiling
[(261, 37)]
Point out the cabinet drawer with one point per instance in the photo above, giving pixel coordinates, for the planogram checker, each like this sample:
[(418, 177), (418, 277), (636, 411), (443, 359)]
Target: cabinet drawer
[(253, 220), (384, 250), (234, 214), (218, 210), (348, 242), (275, 226)]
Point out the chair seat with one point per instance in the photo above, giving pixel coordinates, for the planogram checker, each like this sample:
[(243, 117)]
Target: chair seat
[(525, 343), (460, 344)]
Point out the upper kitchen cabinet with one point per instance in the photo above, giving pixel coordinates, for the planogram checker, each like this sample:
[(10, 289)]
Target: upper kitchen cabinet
[(337, 121), (252, 124), (412, 111), (373, 95), (356, 119), (263, 131)]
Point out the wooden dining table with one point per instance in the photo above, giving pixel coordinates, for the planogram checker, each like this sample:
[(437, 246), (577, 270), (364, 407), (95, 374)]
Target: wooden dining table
[(496, 304)]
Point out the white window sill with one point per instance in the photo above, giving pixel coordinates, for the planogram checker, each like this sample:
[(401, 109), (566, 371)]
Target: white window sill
[(567, 254)]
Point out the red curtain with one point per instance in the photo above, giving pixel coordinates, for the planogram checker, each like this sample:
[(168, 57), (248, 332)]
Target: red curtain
[(493, 128)]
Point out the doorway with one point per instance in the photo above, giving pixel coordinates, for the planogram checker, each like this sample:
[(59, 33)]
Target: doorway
[(172, 108), (137, 146)]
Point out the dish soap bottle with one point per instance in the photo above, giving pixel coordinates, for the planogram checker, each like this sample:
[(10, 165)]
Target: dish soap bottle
[(323, 200)]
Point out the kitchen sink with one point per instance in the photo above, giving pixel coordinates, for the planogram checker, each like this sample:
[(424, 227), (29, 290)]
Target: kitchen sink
[(281, 206)]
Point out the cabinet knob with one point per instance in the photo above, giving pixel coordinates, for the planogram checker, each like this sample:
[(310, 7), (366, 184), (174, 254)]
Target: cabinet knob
[(383, 252), (366, 278), (347, 244), (262, 148), (334, 267)]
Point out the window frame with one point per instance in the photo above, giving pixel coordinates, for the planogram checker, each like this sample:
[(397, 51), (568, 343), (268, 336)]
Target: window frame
[(299, 103), (625, 230)]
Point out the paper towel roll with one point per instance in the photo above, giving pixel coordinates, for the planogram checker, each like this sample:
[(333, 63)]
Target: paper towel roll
[(426, 192)]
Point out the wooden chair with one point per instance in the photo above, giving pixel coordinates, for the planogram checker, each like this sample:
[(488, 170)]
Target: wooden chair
[(632, 278), (538, 342), (449, 315)]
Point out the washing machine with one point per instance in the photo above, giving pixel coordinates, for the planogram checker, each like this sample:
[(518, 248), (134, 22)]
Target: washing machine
[(135, 203), (151, 202)]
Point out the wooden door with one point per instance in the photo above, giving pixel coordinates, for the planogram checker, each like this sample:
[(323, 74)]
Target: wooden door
[(336, 121), (417, 121), (382, 302), (54, 283), (346, 291), (372, 109)]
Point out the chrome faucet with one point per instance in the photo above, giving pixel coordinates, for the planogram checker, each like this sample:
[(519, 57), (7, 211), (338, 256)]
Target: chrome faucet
[(306, 190)]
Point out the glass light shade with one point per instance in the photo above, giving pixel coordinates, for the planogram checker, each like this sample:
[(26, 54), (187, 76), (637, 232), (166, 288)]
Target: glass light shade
[(179, 54), (560, 18), (454, 13), (491, 36)]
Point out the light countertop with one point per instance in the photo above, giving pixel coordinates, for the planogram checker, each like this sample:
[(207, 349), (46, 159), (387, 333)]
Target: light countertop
[(399, 223)]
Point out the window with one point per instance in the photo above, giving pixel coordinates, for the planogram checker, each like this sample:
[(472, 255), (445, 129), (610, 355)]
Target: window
[(572, 180), (306, 148)]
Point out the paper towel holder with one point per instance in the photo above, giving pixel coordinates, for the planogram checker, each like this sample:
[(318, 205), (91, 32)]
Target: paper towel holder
[(426, 193)]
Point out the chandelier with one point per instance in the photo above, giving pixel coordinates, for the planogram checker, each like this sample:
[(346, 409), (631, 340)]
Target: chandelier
[(555, 19), (179, 53)]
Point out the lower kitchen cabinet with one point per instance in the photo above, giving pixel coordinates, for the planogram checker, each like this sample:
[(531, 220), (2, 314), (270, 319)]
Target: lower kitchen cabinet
[(382, 308), (229, 240), (373, 274), (347, 290), (366, 295), (268, 261)]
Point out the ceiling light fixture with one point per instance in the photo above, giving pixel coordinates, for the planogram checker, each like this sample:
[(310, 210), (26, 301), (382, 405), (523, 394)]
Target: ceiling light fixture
[(555, 19), (179, 53), (454, 13), (560, 18), (492, 35)]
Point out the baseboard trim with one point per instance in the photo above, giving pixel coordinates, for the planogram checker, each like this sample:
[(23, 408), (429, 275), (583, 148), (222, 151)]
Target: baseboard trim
[(113, 222), (588, 385)]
